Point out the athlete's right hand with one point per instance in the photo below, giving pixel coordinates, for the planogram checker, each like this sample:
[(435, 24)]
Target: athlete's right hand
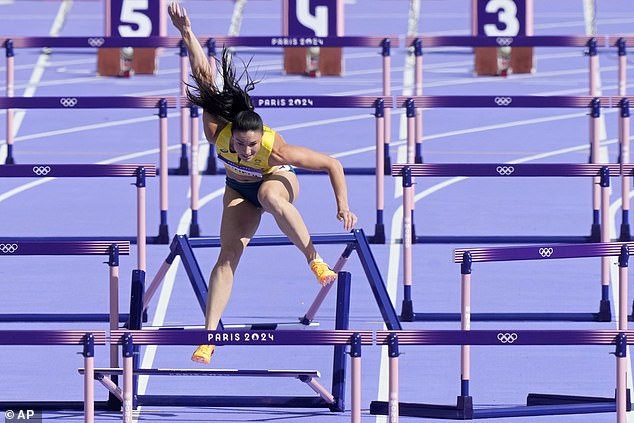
[(179, 17)]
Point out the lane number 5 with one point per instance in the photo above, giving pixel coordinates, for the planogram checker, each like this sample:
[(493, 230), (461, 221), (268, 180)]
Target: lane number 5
[(134, 22)]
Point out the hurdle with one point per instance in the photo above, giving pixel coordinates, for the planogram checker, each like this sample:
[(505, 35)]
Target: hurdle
[(356, 240), (593, 103), (418, 42), (138, 171), (112, 249), (548, 404), (380, 105), (621, 43), (465, 409), (60, 337), (600, 222), (161, 103), (384, 42), (340, 337)]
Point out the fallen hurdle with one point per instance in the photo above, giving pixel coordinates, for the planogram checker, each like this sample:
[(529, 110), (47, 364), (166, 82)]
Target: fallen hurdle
[(88, 339), (600, 232), (356, 240), (334, 400), (465, 409), (380, 105)]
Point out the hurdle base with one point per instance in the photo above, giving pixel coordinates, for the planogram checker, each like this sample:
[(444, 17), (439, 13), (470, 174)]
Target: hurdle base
[(408, 315), (64, 318), (534, 399), (194, 230), (235, 401), (379, 234), (163, 234), (537, 405), (53, 405), (625, 234), (502, 239), (605, 311), (463, 410), (182, 169), (595, 233)]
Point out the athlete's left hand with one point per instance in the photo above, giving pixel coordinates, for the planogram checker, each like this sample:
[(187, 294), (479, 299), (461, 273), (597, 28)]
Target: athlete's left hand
[(348, 218)]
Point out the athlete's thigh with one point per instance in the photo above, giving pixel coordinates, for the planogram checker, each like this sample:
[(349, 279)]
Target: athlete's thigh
[(282, 183), (240, 220)]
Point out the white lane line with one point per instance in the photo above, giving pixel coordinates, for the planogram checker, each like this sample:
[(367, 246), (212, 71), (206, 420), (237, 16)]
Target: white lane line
[(38, 71)]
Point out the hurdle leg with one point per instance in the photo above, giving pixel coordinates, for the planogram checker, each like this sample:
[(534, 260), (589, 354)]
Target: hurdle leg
[(156, 282), (387, 82), (183, 167), (355, 389), (379, 229), (114, 300), (128, 387), (407, 308), (605, 312), (194, 228), (465, 324), (323, 292), (418, 83), (622, 52), (621, 378), (163, 236), (624, 158), (10, 92), (393, 402), (141, 243), (595, 150), (89, 378)]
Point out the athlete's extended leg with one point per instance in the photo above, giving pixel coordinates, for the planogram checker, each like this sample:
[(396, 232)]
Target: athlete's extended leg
[(240, 220), (277, 194)]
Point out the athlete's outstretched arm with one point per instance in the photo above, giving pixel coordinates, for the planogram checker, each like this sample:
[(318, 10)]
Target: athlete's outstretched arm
[(197, 57), (306, 158)]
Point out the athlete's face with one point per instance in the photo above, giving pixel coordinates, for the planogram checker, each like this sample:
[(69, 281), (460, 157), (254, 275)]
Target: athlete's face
[(246, 144)]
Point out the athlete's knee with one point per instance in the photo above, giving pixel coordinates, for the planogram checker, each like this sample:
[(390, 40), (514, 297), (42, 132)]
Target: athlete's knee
[(272, 201), (229, 256)]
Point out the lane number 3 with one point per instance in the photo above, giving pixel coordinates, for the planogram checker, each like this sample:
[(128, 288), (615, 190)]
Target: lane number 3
[(507, 16)]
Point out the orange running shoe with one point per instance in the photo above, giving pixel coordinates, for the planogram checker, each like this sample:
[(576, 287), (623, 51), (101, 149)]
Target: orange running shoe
[(322, 271), (203, 354)]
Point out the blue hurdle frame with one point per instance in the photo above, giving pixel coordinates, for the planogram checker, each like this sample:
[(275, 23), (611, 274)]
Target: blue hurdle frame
[(342, 319), (355, 240)]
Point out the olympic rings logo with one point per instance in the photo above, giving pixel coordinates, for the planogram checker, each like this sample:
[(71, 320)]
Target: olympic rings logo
[(95, 42), (8, 248), (504, 41), (507, 338), (505, 170), (546, 252), (503, 101), (41, 170), (68, 101)]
